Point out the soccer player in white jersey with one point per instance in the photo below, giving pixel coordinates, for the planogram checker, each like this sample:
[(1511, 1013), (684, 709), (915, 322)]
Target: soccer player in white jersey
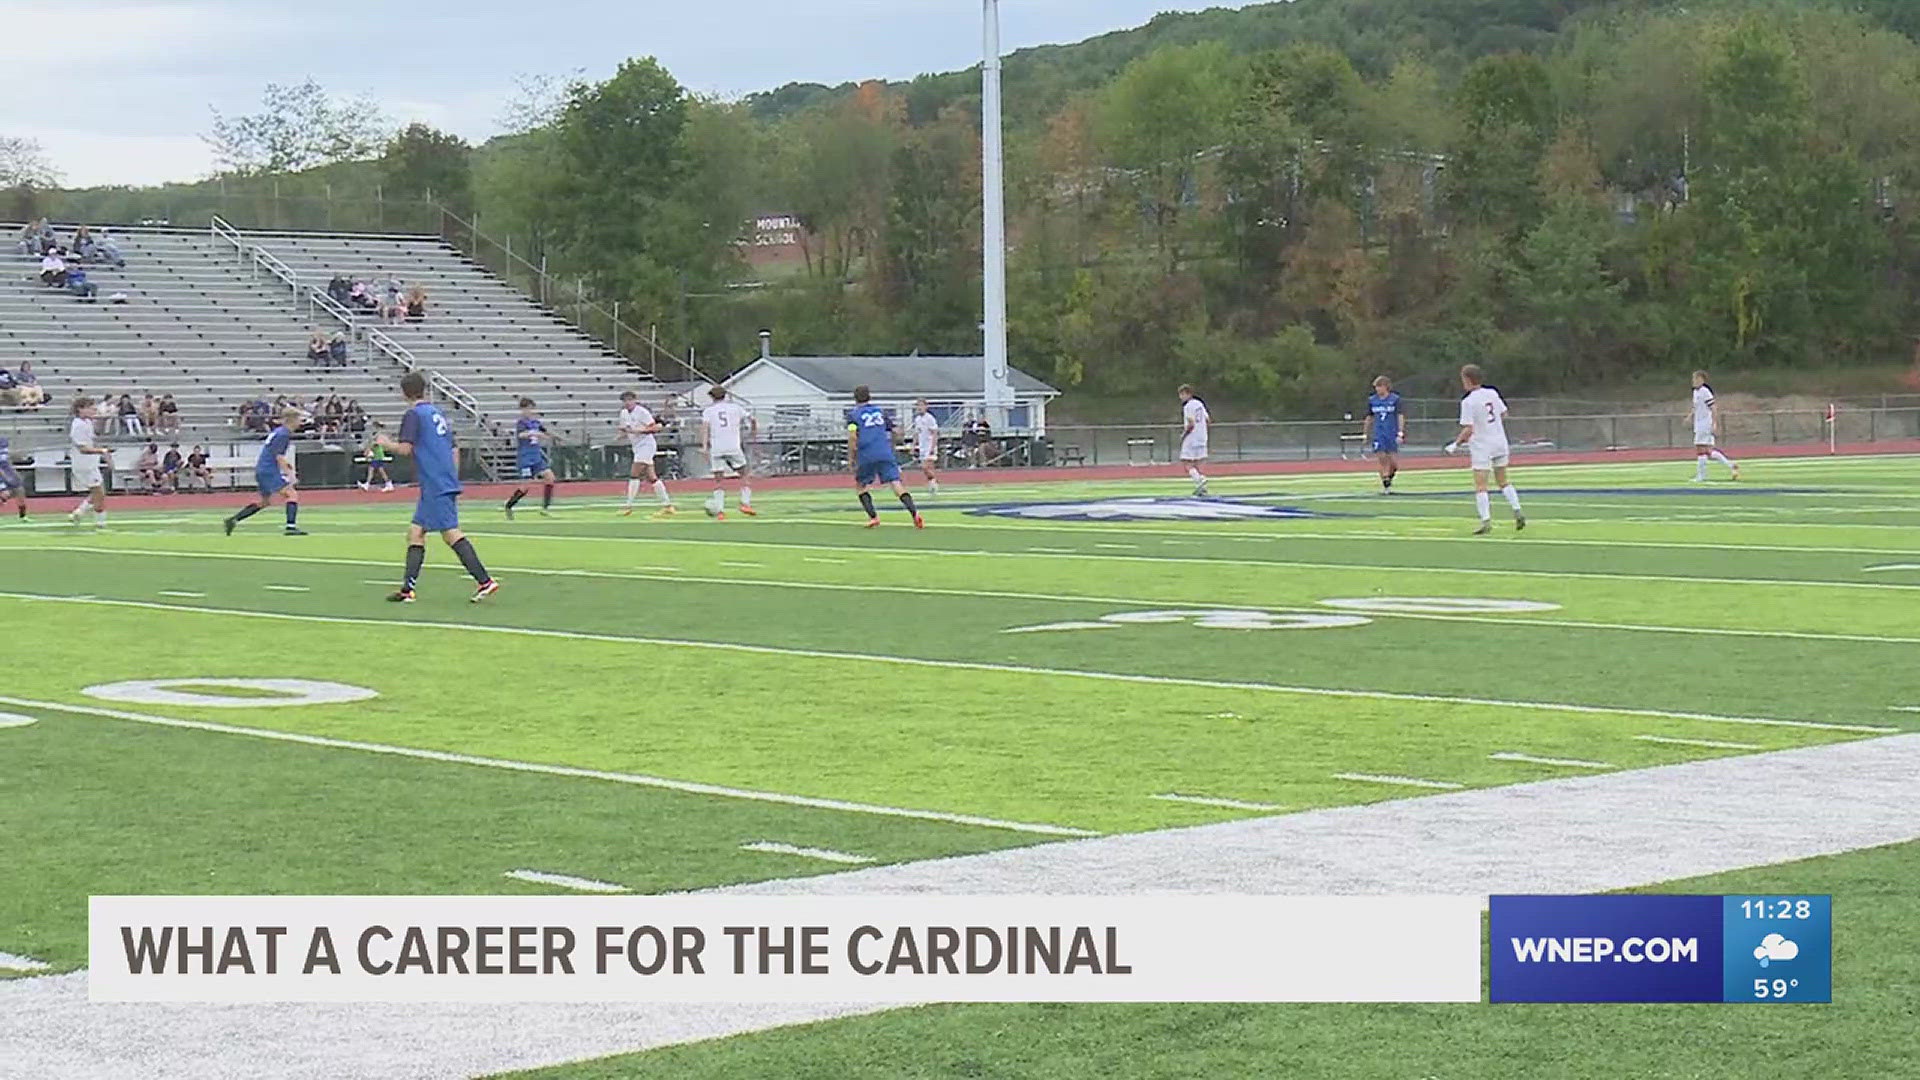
[(725, 429), (1483, 428), (1193, 439), (926, 444), (640, 428), (1706, 421), (87, 456)]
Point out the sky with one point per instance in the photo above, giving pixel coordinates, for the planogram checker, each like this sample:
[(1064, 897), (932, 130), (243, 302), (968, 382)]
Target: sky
[(119, 91)]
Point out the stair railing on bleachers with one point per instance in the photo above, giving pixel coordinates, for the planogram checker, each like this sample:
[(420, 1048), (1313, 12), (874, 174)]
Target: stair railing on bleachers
[(445, 387), (569, 300), (223, 231)]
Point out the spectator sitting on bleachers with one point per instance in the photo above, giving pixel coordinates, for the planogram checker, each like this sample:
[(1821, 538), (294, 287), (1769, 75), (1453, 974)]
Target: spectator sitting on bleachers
[(169, 414), (27, 387), (53, 269), (340, 289), (253, 415), (150, 413), (337, 348), (317, 347), (83, 290), (83, 246), (129, 414), (170, 464), (362, 300), (416, 304), (197, 468), (148, 468), (37, 237), (9, 390)]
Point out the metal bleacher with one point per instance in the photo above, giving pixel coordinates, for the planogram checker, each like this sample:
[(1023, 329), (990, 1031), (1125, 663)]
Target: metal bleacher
[(195, 324)]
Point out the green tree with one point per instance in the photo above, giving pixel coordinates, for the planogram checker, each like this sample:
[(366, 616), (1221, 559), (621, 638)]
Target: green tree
[(297, 127), (423, 163), (1154, 125), (1507, 117)]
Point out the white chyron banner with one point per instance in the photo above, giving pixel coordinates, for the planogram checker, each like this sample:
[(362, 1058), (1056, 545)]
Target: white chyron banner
[(716, 948)]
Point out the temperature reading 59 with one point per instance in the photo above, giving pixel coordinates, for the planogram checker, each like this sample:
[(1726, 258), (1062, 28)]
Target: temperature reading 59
[(1773, 988)]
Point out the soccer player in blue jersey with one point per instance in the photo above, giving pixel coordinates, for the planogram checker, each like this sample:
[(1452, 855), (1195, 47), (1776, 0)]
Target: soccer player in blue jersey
[(1386, 430), (11, 486), (530, 440), (870, 447), (427, 438), (274, 474)]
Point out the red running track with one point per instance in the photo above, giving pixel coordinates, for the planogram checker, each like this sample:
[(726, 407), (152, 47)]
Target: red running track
[(984, 478)]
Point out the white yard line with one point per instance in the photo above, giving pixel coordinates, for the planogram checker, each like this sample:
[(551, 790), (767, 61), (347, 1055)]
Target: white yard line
[(183, 595), (1706, 744), (743, 565), (1224, 804), (565, 881), (10, 962), (1399, 781), (967, 665), (286, 588), (923, 590), (635, 779), (771, 847), (1560, 763)]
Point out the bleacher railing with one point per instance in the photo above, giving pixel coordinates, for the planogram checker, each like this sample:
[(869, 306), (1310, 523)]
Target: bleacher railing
[(445, 387), (570, 301)]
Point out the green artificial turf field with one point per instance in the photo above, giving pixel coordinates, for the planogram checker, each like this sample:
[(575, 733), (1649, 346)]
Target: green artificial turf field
[(644, 700)]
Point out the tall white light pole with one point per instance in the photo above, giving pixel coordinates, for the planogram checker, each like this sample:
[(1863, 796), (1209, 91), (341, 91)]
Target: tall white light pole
[(999, 390)]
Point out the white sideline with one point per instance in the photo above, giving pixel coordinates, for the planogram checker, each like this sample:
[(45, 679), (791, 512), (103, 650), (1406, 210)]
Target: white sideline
[(1633, 828), (1399, 781), (965, 665), (1709, 744), (1224, 804), (771, 847), (635, 779), (677, 578), (1562, 763), (10, 962)]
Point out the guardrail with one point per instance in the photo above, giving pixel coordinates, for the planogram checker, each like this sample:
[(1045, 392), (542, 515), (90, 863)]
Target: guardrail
[(223, 231), (445, 387)]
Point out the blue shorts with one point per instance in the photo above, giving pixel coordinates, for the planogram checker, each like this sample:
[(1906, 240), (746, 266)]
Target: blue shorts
[(1386, 446), (271, 484), (437, 513), (878, 472), (532, 467), (10, 480)]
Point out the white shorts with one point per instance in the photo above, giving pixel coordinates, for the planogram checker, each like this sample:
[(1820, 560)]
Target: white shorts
[(86, 472), (930, 452), (728, 461), (645, 450), (1192, 449), (1703, 438), (1487, 458)]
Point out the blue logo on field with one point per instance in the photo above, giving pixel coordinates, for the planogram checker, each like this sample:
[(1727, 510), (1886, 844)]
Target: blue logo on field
[(1171, 509)]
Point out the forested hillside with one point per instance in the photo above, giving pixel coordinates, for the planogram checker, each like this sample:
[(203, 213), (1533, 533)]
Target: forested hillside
[(1274, 201)]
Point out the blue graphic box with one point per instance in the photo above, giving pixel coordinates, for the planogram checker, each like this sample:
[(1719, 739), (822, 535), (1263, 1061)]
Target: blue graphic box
[(1661, 948)]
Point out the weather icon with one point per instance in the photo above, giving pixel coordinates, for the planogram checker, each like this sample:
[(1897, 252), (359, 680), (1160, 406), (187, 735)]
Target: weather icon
[(1775, 947)]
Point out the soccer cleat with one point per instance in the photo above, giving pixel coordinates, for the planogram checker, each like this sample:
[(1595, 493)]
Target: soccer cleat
[(719, 515), (628, 512), (404, 596), (1519, 521), (389, 486), (1485, 528), (295, 530), (919, 522), (1736, 471), (873, 523), (486, 589), (664, 513), (1200, 490), (364, 486), (227, 524), (749, 511), (509, 511), (544, 512)]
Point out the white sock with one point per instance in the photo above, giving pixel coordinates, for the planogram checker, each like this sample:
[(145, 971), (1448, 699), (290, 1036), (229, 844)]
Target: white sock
[(1513, 498), (1701, 472), (85, 505), (1485, 503), (1719, 457), (746, 495), (932, 485), (100, 518), (660, 490), (633, 492), (719, 500), (1194, 472)]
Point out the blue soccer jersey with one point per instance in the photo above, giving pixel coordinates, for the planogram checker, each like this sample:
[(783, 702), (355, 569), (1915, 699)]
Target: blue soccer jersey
[(8, 478), (529, 437), (1386, 412), (266, 470), (435, 467), (873, 427)]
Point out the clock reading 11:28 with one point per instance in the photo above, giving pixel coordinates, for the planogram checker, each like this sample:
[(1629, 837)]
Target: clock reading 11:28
[(1775, 909)]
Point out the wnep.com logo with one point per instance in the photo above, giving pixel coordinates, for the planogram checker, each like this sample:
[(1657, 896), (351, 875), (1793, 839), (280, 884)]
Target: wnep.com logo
[(1660, 948)]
